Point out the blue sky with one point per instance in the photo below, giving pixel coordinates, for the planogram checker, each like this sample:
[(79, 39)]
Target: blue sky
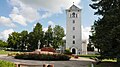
[(18, 15)]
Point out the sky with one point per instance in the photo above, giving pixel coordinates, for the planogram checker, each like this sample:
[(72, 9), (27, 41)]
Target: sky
[(19, 15)]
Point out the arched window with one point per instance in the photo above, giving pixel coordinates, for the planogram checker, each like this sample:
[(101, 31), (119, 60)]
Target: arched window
[(73, 15)]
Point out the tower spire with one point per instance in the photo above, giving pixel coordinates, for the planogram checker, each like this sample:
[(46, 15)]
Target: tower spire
[(73, 3)]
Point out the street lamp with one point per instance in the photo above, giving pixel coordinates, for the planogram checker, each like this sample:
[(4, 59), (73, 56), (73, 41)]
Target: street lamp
[(39, 44)]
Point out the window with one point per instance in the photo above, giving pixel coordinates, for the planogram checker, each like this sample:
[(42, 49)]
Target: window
[(73, 28), (73, 36), (70, 15), (73, 15), (73, 42), (73, 21), (76, 15)]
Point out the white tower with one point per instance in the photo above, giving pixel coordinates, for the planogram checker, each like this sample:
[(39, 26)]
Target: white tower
[(73, 30)]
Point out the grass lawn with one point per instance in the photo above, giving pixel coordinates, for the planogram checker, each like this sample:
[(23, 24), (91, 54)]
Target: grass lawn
[(6, 52), (109, 60), (107, 63), (89, 56), (6, 64), (103, 63)]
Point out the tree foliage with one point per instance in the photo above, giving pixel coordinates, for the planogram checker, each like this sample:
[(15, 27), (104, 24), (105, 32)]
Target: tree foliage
[(58, 35), (48, 36), (35, 36), (24, 40), (3, 43), (105, 31), (13, 40)]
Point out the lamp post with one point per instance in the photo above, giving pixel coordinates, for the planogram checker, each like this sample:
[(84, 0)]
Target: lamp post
[(26, 46), (39, 44)]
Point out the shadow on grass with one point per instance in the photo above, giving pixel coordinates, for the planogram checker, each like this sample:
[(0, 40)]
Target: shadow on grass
[(106, 64)]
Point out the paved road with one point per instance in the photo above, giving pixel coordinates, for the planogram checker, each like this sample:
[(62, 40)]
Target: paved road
[(81, 62)]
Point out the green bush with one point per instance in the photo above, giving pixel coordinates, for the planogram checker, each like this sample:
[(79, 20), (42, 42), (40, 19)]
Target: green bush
[(6, 64), (49, 57), (14, 54), (68, 52)]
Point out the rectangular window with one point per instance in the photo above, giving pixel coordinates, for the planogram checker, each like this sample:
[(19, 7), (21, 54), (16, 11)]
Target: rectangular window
[(73, 36), (73, 42), (73, 21), (73, 28), (70, 15), (76, 15)]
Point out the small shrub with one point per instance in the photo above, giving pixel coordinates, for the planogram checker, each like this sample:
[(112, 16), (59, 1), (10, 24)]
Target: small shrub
[(68, 52), (48, 57), (6, 64), (76, 56), (13, 54), (49, 49)]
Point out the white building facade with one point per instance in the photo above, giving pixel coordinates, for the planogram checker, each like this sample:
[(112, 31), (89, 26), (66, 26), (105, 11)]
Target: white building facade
[(74, 31)]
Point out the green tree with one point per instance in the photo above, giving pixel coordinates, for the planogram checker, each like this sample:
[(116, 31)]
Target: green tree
[(14, 40), (23, 39), (58, 34), (35, 36), (48, 36), (103, 36), (3, 43)]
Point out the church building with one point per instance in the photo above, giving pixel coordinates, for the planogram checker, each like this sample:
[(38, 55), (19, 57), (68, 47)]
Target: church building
[(74, 32)]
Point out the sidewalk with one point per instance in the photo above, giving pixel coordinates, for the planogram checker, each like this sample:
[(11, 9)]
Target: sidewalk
[(83, 59)]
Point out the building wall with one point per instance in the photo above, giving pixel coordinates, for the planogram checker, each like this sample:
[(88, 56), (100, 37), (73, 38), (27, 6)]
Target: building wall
[(70, 32), (84, 47)]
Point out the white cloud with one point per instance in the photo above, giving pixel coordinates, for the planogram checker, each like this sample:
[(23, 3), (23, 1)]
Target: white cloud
[(15, 10), (47, 14), (45, 29), (18, 18), (4, 21), (5, 34), (51, 23), (86, 33), (25, 11), (22, 14), (50, 6)]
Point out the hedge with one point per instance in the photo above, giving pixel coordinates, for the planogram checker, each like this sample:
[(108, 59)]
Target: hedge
[(48, 57)]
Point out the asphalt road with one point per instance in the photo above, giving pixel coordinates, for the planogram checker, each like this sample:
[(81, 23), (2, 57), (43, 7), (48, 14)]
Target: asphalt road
[(81, 62)]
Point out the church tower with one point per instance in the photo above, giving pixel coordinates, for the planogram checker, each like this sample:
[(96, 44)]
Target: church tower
[(73, 30)]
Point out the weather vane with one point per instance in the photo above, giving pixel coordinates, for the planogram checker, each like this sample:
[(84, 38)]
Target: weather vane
[(73, 3)]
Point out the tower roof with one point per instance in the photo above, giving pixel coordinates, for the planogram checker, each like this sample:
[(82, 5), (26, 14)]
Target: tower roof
[(74, 8)]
